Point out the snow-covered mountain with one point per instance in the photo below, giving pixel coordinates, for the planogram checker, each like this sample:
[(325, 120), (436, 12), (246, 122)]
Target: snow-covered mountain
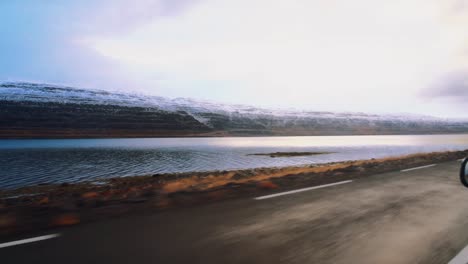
[(81, 112), (34, 92)]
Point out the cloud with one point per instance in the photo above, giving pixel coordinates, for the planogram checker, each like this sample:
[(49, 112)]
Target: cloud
[(120, 16), (332, 50), (453, 86), (39, 40)]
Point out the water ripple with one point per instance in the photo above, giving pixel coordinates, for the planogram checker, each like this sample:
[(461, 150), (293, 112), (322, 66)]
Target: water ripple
[(30, 162)]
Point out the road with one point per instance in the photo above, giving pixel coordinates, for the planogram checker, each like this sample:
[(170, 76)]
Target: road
[(414, 216)]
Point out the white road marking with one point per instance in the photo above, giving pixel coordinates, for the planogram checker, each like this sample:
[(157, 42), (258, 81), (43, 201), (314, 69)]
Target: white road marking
[(301, 190), (461, 258), (28, 240), (418, 168)]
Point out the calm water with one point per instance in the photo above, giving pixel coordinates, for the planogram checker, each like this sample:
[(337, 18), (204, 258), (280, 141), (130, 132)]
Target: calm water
[(29, 162)]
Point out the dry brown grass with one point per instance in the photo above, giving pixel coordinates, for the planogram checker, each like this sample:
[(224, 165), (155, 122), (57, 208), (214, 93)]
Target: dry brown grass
[(221, 179), (66, 220), (218, 179)]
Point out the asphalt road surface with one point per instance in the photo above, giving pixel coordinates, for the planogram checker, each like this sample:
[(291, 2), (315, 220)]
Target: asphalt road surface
[(415, 216)]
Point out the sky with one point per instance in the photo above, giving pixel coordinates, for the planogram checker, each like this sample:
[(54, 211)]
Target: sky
[(378, 56)]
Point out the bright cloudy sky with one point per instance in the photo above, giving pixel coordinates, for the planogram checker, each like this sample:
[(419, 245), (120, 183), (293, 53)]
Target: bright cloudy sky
[(338, 55)]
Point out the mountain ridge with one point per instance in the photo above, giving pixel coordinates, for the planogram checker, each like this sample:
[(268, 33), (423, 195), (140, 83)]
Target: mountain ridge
[(178, 103), (44, 110)]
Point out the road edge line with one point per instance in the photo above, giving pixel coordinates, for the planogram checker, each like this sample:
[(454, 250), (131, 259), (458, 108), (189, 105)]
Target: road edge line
[(300, 190), (461, 257), (28, 240), (418, 168)]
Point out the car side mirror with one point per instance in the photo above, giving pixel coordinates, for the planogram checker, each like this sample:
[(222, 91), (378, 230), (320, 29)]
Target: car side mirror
[(464, 172)]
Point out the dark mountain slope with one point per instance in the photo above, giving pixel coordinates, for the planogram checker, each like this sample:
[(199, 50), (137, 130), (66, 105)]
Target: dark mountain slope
[(44, 120), (30, 110)]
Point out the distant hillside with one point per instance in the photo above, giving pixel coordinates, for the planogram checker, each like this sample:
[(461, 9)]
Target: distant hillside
[(29, 110)]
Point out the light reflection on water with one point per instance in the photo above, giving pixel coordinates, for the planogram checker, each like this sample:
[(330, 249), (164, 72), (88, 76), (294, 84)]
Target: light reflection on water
[(28, 162)]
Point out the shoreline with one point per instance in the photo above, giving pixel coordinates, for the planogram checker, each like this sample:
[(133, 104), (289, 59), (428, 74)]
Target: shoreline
[(215, 134), (43, 207)]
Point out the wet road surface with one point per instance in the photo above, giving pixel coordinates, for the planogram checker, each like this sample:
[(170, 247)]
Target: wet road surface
[(412, 216)]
